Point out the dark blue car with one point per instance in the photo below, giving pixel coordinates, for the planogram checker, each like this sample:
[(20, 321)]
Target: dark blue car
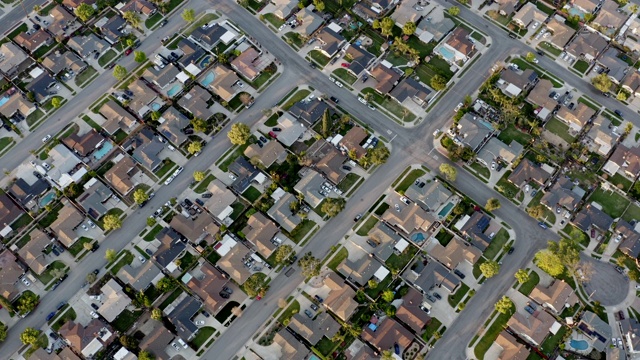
[(51, 315)]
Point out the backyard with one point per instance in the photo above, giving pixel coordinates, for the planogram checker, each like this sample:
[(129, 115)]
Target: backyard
[(125, 320), (511, 133), (632, 213), (612, 203), (560, 129)]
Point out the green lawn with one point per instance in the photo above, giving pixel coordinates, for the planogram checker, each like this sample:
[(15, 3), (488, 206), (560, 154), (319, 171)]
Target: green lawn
[(546, 46), (302, 230), (325, 346), (291, 310), (152, 234), (398, 262), (295, 98), (5, 142), (262, 79), (68, 315), (238, 208), (367, 226), (46, 277), (204, 184), (511, 133), (499, 240), (213, 257), (561, 129), (632, 213), (581, 66), (454, 299), (205, 19), (171, 298), (348, 181), (338, 258), (79, 245), (107, 57), (273, 119), (252, 194), (481, 169), (187, 260), (293, 38), (152, 20), (433, 326), (24, 220), (528, 286), (202, 336), (164, 169), (319, 57), (577, 234), (505, 187), (34, 117), (620, 181), (612, 203), (491, 334), (552, 341), (384, 284), (127, 259), (344, 75), (398, 110), (444, 237), (273, 20), (237, 152), (125, 320), (50, 217), (88, 73), (409, 179)]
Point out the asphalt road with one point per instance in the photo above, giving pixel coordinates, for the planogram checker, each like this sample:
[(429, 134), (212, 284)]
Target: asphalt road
[(17, 14)]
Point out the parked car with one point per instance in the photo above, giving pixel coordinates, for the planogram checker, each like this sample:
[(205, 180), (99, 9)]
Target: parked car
[(46, 138), (128, 52), (543, 225), (459, 274), (334, 99), (345, 167), (437, 296), (511, 250), (308, 313), (358, 217), (318, 298), (207, 195), (618, 112), (93, 305), (163, 22), (314, 307), (51, 315), (199, 202), (94, 315), (276, 129)]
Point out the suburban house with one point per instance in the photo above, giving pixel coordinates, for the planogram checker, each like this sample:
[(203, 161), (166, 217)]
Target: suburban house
[(586, 6), (143, 96), (87, 45), (515, 82), (16, 106), (406, 11), (66, 61), (590, 216), (455, 252), (291, 130), (595, 329), (555, 297), (141, 277), (268, 154), (290, 346), (309, 110), (161, 77), (117, 118), (384, 334), (172, 125), (250, 63), (412, 220), (631, 34), (587, 45), (245, 174), (411, 90), (147, 149), (69, 219), (560, 33), (191, 52), (576, 118), (532, 328), (359, 271), (84, 145), (139, 6), (434, 28), (511, 348), (32, 253), (353, 140), (282, 214), (431, 276), (328, 160), (631, 83), (219, 204), (471, 132), (410, 313), (630, 243), (62, 23), (260, 231), (313, 330), (66, 167), (33, 40), (609, 19), (387, 241), (211, 35), (114, 300), (72, 4), (602, 136), (121, 175), (233, 261), (539, 96), (282, 8), (386, 78), (527, 14), (631, 335), (625, 161), (308, 21), (561, 195), (428, 196), (330, 39), (111, 28), (373, 9), (40, 85), (195, 228), (157, 340), (495, 150), (11, 273), (340, 300), (64, 354), (196, 102), (310, 186), (526, 172), (171, 249), (9, 213), (475, 229), (459, 47), (13, 60), (206, 282), (617, 68), (87, 340), (360, 59), (223, 82), (182, 315), (93, 199), (27, 188)]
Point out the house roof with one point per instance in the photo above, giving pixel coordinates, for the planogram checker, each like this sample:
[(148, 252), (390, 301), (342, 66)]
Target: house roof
[(172, 124), (157, 341), (84, 145), (245, 173), (221, 199), (340, 300), (194, 228), (386, 77), (409, 88), (471, 132), (330, 39), (250, 63), (388, 333), (578, 117), (527, 171), (455, 252), (617, 67), (96, 333), (494, 148), (561, 32), (314, 329), (120, 175), (181, 317), (535, 326), (16, 103), (291, 348), (117, 118), (309, 22), (519, 79), (233, 263), (358, 271), (196, 102), (557, 295), (66, 60), (328, 160), (9, 211), (386, 238), (436, 28), (141, 277), (10, 274), (459, 40), (115, 300), (192, 52), (603, 134), (147, 149), (630, 244), (511, 349), (353, 139), (40, 86), (94, 197), (609, 17), (268, 154), (170, 248), (590, 44), (361, 59), (259, 231), (141, 6), (632, 81), (161, 76), (25, 192), (33, 40), (11, 57), (309, 111), (627, 158), (210, 35), (32, 254), (411, 217), (590, 215), (65, 354), (62, 22), (560, 194), (475, 227), (87, 44), (143, 95), (309, 185), (75, 3), (207, 282), (291, 131), (406, 12), (69, 218), (586, 5), (223, 82), (409, 311), (112, 28), (282, 214)]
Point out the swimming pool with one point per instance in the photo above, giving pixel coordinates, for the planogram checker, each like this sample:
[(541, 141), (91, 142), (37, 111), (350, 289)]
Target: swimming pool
[(103, 150), (574, 11), (175, 90), (4, 100), (579, 344), (208, 79), (313, 357), (47, 199), (418, 237), (155, 106), (446, 53), (445, 210), (205, 62)]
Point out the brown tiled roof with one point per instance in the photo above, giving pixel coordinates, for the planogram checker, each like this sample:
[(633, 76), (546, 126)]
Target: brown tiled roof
[(556, 295), (340, 300), (9, 211), (33, 41), (68, 219), (193, 229), (386, 78), (352, 140), (9, 275), (32, 252), (388, 333), (459, 41), (207, 284), (511, 349), (410, 313), (119, 176), (157, 341), (528, 171), (260, 230), (411, 217), (455, 252)]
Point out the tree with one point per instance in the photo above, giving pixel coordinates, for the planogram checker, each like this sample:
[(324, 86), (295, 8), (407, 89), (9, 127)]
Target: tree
[(143, 299), (627, 128), (132, 18), (245, 98), (156, 314), (386, 26), (145, 355), (387, 355), (449, 172), (129, 342), (239, 134), (376, 156), (139, 56), (188, 15), (530, 57), (84, 11), (535, 211), (283, 253), (601, 82), (3, 331), (57, 273), (633, 8), (111, 222), (504, 305), (254, 285), (194, 147), (409, 28), (332, 206), (30, 336), (454, 11), (319, 4), (119, 72), (622, 2), (91, 277), (549, 262), (166, 284), (492, 204), (522, 276), (130, 42), (27, 302), (438, 83), (87, 246), (310, 265), (199, 175), (56, 102), (151, 221), (110, 255), (140, 196), (72, 191), (325, 123), (567, 251), (37, 9), (387, 295), (199, 125), (490, 269)]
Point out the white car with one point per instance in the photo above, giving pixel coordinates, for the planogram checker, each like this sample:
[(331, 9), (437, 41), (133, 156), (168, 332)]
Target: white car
[(91, 224), (371, 107), (535, 25), (535, 60), (527, 188), (362, 100), (94, 314), (181, 342), (95, 297), (405, 200), (169, 180), (46, 138), (200, 322), (175, 346), (458, 107), (282, 27), (46, 166), (84, 227), (25, 282), (232, 177), (240, 84), (339, 84), (397, 207), (493, 165), (141, 258), (436, 133)]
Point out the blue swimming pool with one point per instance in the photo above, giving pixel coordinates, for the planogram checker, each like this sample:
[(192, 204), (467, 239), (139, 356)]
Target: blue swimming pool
[(579, 344), (418, 237), (4, 100), (155, 106), (445, 210), (103, 150), (205, 62), (208, 79), (175, 90), (446, 53), (313, 357), (575, 11), (47, 199)]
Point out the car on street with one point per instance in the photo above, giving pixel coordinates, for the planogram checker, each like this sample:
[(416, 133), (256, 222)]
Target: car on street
[(128, 52), (163, 22), (94, 315), (334, 99), (371, 107), (46, 138), (61, 305), (618, 112), (358, 217), (308, 313), (96, 271), (51, 315), (619, 269), (543, 225), (458, 107), (511, 250)]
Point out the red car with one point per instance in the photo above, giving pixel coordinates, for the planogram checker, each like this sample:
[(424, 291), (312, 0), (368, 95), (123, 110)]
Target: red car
[(345, 65), (128, 51), (272, 134)]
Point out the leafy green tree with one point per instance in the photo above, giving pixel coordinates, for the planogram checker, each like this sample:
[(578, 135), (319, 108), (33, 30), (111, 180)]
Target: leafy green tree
[(492, 204), (199, 175), (140, 196), (450, 173), (110, 255), (56, 102), (333, 206), (568, 251), (438, 82), (522, 276), (325, 123), (166, 284), (111, 222), (633, 8), (151, 221), (3, 332), (145, 355), (156, 314), (549, 262), (310, 265), (373, 284), (188, 15), (120, 72), (194, 147), (376, 156), (409, 28), (454, 11), (30, 336), (27, 302), (387, 295), (239, 134), (504, 305), (602, 82), (530, 57), (128, 342), (199, 125), (132, 18), (386, 26), (319, 4), (283, 253), (84, 11), (254, 286), (139, 56), (490, 269), (87, 246)]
